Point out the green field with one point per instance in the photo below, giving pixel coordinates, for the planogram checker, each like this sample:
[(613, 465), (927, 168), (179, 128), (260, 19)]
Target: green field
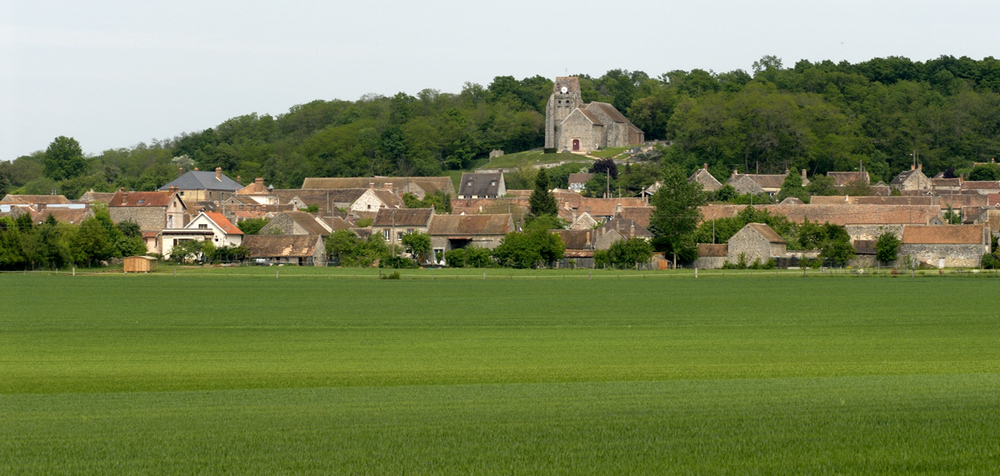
[(319, 371), (533, 157)]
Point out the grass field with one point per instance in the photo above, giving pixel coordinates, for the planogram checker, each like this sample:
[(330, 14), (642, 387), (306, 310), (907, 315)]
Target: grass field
[(234, 371), (533, 157)]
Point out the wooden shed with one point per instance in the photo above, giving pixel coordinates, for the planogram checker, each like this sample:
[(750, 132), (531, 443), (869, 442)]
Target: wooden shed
[(139, 264)]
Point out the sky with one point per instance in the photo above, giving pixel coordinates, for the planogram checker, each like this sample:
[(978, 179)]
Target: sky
[(114, 74)]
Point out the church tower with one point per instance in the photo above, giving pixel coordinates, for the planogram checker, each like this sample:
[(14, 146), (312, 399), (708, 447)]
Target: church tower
[(564, 100)]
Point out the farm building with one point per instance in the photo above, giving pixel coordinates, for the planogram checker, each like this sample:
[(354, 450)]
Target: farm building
[(140, 264), (756, 241)]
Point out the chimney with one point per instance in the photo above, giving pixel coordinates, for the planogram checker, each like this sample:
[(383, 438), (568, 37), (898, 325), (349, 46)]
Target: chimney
[(631, 231), (920, 167), (618, 210), (259, 181), (912, 167), (180, 171), (239, 180), (196, 168), (218, 173), (803, 175), (588, 238), (787, 171), (705, 166), (388, 186)]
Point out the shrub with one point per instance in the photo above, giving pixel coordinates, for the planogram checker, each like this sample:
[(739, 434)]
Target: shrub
[(455, 258), (990, 261)]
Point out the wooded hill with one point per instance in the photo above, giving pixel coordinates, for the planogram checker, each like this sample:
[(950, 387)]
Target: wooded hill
[(817, 116)]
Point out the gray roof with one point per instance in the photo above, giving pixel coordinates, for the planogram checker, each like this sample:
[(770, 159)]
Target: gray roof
[(482, 185), (203, 180)]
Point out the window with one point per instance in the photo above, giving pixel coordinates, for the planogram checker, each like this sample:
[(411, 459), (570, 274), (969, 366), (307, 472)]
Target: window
[(141, 200), (387, 233), (399, 236), (202, 226), (469, 183), (409, 231)]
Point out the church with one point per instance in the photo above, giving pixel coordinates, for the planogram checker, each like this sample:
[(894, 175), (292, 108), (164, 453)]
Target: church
[(574, 126)]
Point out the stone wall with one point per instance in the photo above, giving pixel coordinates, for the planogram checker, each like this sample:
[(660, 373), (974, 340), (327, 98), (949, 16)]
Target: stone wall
[(872, 232), (577, 126), (148, 218), (751, 245), (955, 256), (710, 262)]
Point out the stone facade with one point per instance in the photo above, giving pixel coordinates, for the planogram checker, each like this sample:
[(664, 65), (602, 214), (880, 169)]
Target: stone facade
[(754, 242), (912, 180), (572, 125)]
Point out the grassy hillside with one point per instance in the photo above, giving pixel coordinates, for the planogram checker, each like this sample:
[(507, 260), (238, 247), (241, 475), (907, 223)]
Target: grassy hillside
[(548, 374), (532, 158)]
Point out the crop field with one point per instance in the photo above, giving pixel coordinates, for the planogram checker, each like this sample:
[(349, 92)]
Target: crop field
[(324, 371)]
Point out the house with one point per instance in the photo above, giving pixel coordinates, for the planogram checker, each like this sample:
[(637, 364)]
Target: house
[(418, 186), (301, 250), (911, 180), (572, 125), (946, 245), (449, 232), (12, 199), (258, 192), (200, 186), (296, 223), (578, 182), (167, 239), (619, 228), (583, 222), (755, 242), (711, 255), (373, 200), (758, 184), (482, 185), (393, 224), (224, 233), (153, 211), (72, 213), (845, 179), (708, 182), (99, 197)]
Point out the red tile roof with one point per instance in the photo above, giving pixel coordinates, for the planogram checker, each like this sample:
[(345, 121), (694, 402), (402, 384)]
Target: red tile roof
[(224, 223), (141, 199)]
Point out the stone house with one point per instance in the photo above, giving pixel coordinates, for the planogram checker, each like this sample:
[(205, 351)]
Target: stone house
[(449, 232), (153, 211), (393, 224), (418, 186), (758, 184), (911, 180), (482, 185), (572, 125), (294, 224), (756, 241), (583, 222), (711, 256), (258, 192), (96, 197), (946, 245), (578, 181), (702, 176), (301, 250), (224, 233), (373, 200), (203, 186)]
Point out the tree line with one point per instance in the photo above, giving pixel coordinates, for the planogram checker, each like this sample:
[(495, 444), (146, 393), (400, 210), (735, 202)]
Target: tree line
[(880, 114)]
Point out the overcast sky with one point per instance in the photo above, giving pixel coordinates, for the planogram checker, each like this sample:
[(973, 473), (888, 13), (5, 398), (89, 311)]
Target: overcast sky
[(112, 74)]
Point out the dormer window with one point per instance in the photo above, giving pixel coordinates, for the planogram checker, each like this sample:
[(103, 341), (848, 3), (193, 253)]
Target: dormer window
[(493, 183), (469, 183), (141, 200)]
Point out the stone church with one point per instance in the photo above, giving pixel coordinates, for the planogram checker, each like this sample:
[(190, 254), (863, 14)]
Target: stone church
[(575, 126)]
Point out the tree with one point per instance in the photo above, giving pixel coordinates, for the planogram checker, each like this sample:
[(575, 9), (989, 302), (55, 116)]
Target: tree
[(529, 249), (186, 249), (821, 185), (64, 159), (417, 244), (605, 167), (542, 202), (792, 187), (628, 253), (252, 226), (675, 214), (985, 172), (887, 247)]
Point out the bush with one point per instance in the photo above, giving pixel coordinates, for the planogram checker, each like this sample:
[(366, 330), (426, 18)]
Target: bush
[(398, 262), (393, 275), (990, 261), (455, 258)]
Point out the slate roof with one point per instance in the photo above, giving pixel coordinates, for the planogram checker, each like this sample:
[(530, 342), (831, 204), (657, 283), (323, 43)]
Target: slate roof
[(466, 225), (141, 199), (283, 246), (203, 180), (403, 217), (942, 234), (480, 184), (768, 182)]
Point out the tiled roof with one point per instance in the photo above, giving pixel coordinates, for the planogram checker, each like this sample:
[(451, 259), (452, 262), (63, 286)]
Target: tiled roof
[(283, 246), (590, 116), (427, 184), (769, 234), (580, 178), (942, 234), (577, 239), (403, 217), (981, 185), (443, 225), (610, 111), (607, 206), (841, 179), (142, 199), (640, 215), (224, 223), (62, 215), (710, 250), (765, 181), (309, 222), (255, 188), (33, 199), (627, 228)]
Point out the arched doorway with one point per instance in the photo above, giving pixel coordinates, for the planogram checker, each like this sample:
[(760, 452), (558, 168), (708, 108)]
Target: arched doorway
[(576, 145)]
